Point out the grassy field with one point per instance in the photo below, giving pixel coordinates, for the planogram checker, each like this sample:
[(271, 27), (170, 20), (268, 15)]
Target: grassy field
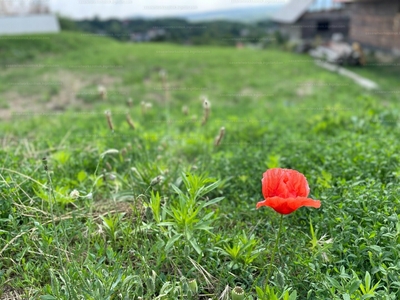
[(93, 212)]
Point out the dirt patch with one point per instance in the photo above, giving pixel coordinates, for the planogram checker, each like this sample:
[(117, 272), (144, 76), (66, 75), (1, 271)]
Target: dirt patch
[(10, 294), (114, 207), (65, 96)]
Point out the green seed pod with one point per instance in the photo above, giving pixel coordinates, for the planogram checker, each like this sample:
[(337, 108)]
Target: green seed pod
[(237, 293), (193, 286)]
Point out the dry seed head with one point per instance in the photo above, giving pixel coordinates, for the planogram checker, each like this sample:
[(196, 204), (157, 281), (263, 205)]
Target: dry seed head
[(205, 118), (129, 121), (206, 107), (133, 169), (157, 180), (219, 137), (130, 102), (102, 92), (206, 103), (162, 73), (323, 241), (146, 106), (185, 110), (109, 120), (100, 230), (325, 257)]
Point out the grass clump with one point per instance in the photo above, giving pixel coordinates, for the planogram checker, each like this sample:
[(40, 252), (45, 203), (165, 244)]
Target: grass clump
[(123, 213)]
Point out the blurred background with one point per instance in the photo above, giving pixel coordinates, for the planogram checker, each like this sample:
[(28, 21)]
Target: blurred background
[(347, 29)]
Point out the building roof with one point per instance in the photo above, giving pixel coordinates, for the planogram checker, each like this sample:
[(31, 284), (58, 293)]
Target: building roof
[(28, 24), (292, 11)]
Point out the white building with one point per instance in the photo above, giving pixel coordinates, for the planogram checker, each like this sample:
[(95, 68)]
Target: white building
[(28, 24)]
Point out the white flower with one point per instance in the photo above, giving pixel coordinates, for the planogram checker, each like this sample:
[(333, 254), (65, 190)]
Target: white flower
[(74, 194)]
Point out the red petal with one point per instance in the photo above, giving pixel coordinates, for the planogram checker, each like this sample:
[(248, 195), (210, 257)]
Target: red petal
[(284, 183), (288, 205)]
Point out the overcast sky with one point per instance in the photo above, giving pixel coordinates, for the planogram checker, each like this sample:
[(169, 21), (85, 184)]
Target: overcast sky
[(149, 8)]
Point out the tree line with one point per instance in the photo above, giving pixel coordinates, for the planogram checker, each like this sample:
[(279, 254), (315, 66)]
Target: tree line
[(174, 30)]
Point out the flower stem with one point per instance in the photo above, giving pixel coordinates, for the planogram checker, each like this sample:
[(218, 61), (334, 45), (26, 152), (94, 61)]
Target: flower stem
[(275, 248)]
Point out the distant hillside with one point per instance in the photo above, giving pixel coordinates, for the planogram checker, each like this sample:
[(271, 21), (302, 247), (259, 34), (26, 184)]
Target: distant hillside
[(175, 30), (248, 14)]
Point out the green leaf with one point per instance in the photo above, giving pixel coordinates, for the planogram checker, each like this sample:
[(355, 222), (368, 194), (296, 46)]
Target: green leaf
[(177, 190), (213, 201), (273, 161), (335, 283), (260, 292), (47, 297), (205, 190), (285, 296), (367, 296), (81, 176), (61, 157), (207, 216), (354, 286), (195, 246), (109, 151), (367, 281), (167, 224), (363, 291), (172, 241), (293, 295), (374, 287)]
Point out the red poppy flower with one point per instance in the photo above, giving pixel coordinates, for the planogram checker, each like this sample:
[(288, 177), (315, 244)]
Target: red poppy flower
[(285, 191)]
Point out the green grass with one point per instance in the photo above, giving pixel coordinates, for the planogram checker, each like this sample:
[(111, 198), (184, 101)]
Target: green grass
[(160, 205)]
